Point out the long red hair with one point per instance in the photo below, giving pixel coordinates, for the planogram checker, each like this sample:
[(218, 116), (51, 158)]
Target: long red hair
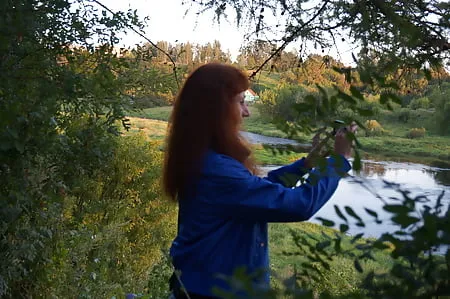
[(204, 116)]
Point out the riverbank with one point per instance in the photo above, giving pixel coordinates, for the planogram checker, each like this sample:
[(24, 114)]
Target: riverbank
[(429, 150)]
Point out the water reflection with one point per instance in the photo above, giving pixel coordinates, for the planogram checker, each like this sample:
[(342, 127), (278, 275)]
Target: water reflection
[(371, 169), (440, 175)]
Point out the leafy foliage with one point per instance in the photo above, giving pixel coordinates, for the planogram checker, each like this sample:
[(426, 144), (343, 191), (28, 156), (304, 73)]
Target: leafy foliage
[(393, 33), (80, 207)]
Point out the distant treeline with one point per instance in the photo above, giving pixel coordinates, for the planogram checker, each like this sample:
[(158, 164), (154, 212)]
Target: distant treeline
[(153, 71)]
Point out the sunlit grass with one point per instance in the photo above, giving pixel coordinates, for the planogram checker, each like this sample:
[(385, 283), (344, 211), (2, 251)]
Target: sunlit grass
[(434, 150), (155, 129), (159, 113), (341, 279), (265, 156)]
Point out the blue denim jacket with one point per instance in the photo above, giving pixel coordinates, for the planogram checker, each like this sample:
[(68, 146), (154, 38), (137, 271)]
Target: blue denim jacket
[(223, 218)]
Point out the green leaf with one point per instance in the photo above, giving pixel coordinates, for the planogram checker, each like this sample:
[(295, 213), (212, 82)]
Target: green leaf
[(360, 124), (5, 145), (311, 100), (352, 213), (383, 99), (346, 98), (427, 74), (396, 209), (322, 91), (358, 266), (340, 214), (302, 107), (343, 228), (356, 93), (325, 222), (405, 220), (322, 245), (13, 133), (357, 165), (380, 245), (371, 213), (357, 237), (337, 245)]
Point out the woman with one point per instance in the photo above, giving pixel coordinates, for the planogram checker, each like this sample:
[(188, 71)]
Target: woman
[(224, 207)]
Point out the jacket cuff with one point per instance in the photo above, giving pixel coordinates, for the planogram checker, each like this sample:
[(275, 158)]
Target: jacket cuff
[(340, 164)]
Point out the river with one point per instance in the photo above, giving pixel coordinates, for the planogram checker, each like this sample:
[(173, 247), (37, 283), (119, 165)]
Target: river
[(261, 139), (353, 191)]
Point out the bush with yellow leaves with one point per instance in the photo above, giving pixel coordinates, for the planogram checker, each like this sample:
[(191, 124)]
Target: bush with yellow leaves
[(373, 128)]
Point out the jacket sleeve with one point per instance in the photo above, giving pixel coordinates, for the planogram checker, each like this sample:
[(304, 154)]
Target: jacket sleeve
[(249, 197), (288, 175)]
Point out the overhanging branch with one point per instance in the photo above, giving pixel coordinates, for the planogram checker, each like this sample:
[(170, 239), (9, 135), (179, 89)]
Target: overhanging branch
[(289, 39), (174, 68)]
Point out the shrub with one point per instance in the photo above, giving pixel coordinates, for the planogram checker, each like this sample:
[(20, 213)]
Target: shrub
[(373, 128), (279, 103), (423, 103), (416, 133), (441, 101), (151, 100), (345, 113), (403, 114)]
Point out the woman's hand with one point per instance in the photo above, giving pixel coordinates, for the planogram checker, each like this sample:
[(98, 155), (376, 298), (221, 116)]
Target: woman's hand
[(318, 148), (342, 144)]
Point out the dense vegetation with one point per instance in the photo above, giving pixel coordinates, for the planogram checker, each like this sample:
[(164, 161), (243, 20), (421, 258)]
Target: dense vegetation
[(81, 210)]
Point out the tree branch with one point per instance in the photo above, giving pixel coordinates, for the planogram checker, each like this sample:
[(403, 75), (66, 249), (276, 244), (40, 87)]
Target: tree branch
[(174, 68), (289, 40)]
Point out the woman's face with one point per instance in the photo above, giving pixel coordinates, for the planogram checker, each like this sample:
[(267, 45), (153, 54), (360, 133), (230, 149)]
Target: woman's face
[(240, 102)]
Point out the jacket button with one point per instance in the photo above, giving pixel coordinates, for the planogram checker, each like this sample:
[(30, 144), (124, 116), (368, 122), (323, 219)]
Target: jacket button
[(262, 244)]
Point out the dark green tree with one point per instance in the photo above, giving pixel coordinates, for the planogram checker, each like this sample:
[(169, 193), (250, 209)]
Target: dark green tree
[(74, 196)]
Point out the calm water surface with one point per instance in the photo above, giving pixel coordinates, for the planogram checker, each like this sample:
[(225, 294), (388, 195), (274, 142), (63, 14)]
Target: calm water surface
[(418, 179)]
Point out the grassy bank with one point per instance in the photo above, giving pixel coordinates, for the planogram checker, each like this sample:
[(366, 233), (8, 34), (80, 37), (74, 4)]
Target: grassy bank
[(342, 278), (155, 129), (430, 150)]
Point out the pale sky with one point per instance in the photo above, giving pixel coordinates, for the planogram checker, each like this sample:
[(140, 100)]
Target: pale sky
[(168, 22)]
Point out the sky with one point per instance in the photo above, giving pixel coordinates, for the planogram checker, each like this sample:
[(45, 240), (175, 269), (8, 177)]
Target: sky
[(168, 22)]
